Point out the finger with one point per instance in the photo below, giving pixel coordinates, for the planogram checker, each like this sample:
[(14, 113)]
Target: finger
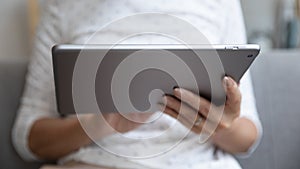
[(233, 94), (209, 127), (182, 120), (187, 112), (197, 128), (195, 101)]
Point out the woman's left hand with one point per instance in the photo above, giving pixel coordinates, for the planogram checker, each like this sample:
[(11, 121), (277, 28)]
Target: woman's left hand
[(195, 110)]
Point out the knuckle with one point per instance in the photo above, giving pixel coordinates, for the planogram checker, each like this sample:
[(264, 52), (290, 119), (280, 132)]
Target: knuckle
[(236, 101), (204, 110)]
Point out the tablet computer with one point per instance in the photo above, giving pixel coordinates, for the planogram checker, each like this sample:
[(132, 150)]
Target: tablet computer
[(129, 74)]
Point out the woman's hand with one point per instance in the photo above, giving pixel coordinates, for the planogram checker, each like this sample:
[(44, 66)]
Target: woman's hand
[(195, 110), (233, 134), (98, 126), (74, 132)]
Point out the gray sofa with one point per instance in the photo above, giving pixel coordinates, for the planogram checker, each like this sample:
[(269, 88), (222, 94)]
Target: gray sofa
[(276, 77)]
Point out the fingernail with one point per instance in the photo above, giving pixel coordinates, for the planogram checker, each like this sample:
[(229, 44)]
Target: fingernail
[(175, 87), (228, 82)]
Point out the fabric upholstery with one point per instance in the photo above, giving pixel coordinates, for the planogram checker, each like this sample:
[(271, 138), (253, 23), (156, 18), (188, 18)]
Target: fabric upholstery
[(12, 75), (276, 80)]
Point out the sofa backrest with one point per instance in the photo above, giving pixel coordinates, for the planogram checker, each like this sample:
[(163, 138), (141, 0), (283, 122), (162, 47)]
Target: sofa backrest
[(12, 73), (276, 80)]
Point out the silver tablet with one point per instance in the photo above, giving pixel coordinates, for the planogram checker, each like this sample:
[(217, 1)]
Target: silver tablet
[(139, 74)]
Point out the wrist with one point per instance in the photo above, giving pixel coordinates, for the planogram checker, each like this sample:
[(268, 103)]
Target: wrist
[(94, 126), (228, 120), (226, 125)]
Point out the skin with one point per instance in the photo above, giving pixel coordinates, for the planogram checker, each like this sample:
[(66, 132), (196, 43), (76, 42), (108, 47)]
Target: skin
[(71, 134), (233, 134)]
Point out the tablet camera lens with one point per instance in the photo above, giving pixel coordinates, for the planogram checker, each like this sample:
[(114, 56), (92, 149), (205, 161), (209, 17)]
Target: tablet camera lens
[(250, 56)]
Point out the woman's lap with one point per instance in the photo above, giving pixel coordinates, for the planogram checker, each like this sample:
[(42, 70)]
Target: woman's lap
[(73, 165)]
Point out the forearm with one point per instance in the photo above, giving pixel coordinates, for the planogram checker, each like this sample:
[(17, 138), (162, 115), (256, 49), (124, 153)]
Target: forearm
[(238, 138), (52, 138)]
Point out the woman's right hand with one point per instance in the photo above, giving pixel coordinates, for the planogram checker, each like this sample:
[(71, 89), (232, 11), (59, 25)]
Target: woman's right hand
[(99, 126)]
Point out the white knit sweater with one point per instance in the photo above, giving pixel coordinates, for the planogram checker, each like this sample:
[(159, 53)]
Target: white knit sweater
[(69, 21)]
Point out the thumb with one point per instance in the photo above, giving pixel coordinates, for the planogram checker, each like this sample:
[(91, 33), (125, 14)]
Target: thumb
[(233, 94)]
